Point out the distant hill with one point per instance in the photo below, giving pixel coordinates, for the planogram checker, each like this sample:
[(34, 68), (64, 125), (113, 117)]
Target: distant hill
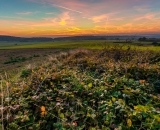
[(22, 39), (97, 38), (45, 39)]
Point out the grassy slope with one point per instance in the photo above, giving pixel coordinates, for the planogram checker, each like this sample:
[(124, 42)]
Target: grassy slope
[(96, 44), (86, 89)]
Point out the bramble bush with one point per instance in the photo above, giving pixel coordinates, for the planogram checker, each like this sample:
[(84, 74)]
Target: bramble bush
[(111, 89)]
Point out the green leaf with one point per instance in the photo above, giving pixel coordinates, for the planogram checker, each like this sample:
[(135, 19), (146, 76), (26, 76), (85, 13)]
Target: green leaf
[(61, 115)]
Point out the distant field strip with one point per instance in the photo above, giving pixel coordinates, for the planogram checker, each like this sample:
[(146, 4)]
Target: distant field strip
[(90, 44)]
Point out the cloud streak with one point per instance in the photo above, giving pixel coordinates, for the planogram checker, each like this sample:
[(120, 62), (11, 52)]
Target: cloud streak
[(26, 13), (67, 8)]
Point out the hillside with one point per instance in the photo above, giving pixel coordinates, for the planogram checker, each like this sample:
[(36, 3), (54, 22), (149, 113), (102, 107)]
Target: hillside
[(110, 89), (22, 39)]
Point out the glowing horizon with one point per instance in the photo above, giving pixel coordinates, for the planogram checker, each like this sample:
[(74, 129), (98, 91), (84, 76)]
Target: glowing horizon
[(79, 17)]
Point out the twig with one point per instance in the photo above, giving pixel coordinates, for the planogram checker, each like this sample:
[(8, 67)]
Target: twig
[(2, 103)]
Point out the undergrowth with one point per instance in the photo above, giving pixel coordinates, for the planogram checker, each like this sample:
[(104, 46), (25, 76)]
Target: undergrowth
[(111, 89)]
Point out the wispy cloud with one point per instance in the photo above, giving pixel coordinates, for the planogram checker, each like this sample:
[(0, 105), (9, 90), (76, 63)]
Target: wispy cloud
[(148, 16), (67, 8), (26, 13), (49, 13), (102, 18), (142, 8)]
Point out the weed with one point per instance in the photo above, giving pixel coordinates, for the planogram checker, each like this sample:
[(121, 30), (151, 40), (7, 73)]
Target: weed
[(25, 73)]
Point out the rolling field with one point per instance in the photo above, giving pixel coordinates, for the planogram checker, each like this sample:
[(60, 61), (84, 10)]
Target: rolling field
[(89, 44)]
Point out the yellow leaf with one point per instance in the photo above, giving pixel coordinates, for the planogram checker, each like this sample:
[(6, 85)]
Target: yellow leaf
[(134, 113), (129, 122), (43, 109), (110, 103), (141, 81), (61, 115), (154, 97), (135, 107), (51, 83), (82, 83), (43, 113), (72, 95), (127, 92), (90, 85), (88, 114), (113, 99)]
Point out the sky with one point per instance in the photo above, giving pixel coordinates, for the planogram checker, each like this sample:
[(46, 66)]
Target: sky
[(52, 18)]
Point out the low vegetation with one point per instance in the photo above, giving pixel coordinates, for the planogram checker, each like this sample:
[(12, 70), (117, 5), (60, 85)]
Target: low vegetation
[(109, 89), (89, 44)]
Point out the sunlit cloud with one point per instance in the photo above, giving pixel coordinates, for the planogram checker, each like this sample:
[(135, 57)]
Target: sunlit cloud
[(148, 16), (62, 22), (103, 17), (100, 18)]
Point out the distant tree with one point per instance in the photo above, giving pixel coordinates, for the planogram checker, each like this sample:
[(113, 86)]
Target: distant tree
[(155, 43), (142, 39)]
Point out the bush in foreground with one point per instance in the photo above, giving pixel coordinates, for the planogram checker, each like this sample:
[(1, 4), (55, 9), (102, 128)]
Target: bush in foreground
[(112, 89)]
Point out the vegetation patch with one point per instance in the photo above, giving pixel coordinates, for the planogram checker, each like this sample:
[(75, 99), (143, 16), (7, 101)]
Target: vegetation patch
[(14, 60), (111, 89)]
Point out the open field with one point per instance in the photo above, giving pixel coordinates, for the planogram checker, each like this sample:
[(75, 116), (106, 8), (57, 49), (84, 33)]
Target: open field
[(90, 44), (15, 55)]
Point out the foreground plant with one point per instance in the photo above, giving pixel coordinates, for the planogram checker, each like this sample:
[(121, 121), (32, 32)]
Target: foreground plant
[(88, 89)]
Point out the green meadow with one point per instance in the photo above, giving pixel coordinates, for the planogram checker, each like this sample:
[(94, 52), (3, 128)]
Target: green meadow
[(88, 44)]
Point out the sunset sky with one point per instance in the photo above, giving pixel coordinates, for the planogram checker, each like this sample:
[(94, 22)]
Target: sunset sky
[(78, 17)]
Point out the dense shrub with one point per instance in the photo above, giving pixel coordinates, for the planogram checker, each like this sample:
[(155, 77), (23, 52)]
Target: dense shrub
[(111, 89)]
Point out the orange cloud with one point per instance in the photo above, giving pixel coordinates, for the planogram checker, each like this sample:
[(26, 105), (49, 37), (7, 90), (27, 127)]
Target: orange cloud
[(100, 18)]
